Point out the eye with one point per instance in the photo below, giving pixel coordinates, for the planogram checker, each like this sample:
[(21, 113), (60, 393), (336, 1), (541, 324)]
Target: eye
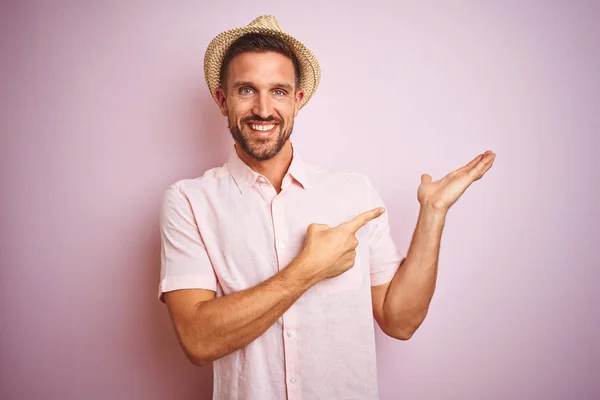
[(279, 92), (246, 91)]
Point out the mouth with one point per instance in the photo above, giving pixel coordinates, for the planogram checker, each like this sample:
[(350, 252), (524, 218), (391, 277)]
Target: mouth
[(261, 129)]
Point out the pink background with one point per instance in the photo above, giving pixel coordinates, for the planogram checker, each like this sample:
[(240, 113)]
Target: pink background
[(103, 106)]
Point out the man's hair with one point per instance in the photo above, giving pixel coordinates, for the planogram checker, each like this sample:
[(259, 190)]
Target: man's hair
[(257, 43)]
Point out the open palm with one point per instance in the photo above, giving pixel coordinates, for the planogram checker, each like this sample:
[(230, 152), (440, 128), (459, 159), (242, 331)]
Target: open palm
[(443, 193)]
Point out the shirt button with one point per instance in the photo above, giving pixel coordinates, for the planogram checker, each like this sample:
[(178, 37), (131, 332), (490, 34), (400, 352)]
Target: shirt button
[(290, 333), (281, 245), (293, 380), (262, 179)]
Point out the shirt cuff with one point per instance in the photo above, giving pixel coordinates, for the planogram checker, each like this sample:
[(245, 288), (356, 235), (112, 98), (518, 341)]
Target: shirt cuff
[(171, 283), (386, 275)]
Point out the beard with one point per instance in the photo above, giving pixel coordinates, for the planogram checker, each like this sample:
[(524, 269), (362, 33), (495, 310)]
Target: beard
[(256, 147)]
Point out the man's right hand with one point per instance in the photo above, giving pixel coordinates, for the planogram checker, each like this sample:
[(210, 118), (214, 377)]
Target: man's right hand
[(329, 252)]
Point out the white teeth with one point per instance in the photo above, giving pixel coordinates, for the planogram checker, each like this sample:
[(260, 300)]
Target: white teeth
[(262, 127)]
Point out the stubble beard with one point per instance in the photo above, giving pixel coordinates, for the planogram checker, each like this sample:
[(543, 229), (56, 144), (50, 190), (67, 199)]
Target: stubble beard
[(257, 148)]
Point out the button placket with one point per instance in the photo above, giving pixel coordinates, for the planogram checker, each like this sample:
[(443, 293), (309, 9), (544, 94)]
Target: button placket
[(280, 232), (290, 345), (289, 318)]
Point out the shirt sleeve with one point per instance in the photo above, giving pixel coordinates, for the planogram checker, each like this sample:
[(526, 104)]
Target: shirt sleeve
[(184, 261), (384, 256)]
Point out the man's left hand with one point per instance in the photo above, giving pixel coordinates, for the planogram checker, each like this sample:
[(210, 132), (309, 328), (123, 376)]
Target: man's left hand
[(442, 194)]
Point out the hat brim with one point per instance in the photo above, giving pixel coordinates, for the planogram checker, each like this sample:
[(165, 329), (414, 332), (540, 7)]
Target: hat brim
[(310, 71)]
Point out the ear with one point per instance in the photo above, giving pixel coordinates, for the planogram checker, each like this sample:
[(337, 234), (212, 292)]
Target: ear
[(220, 95), (299, 97)]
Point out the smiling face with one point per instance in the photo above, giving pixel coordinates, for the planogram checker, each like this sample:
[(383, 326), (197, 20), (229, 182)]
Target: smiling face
[(260, 101)]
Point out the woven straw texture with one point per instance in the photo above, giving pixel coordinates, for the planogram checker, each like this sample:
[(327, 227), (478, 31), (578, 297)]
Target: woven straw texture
[(310, 71)]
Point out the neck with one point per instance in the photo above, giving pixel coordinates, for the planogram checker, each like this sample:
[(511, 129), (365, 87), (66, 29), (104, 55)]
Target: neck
[(274, 169)]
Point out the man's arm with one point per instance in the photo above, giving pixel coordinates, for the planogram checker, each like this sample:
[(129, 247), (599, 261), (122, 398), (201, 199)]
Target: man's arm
[(400, 306), (209, 328)]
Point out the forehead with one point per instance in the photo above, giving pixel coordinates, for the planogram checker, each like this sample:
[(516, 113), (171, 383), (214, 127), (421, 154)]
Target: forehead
[(261, 68)]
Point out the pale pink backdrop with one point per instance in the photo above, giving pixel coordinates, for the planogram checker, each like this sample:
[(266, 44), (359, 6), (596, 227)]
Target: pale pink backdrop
[(103, 104)]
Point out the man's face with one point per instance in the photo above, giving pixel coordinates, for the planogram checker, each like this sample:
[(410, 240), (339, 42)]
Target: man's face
[(260, 102)]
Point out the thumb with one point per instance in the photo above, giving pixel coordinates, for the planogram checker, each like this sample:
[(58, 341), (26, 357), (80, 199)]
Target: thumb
[(317, 228), (425, 178)]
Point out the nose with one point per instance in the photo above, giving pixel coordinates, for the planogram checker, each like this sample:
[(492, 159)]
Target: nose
[(263, 106)]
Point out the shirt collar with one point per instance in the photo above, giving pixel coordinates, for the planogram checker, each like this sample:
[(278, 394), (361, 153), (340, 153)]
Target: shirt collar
[(245, 177)]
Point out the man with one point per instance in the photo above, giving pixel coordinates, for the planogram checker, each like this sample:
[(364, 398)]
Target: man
[(273, 269)]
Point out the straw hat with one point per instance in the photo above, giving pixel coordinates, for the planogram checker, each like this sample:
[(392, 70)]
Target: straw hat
[(310, 71)]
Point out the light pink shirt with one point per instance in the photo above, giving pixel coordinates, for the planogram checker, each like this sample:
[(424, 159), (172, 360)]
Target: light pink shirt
[(229, 230)]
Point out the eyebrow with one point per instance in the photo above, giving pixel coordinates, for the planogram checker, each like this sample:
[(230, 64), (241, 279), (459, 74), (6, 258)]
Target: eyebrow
[(286, 86)]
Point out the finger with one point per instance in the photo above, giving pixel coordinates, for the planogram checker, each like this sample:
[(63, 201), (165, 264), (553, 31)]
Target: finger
[(317, 227), (361, 220), (487, 167), (469, 166), (482, 166), (473, 162)]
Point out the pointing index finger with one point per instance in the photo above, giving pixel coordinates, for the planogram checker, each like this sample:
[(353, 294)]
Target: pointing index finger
[(362, 219)]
